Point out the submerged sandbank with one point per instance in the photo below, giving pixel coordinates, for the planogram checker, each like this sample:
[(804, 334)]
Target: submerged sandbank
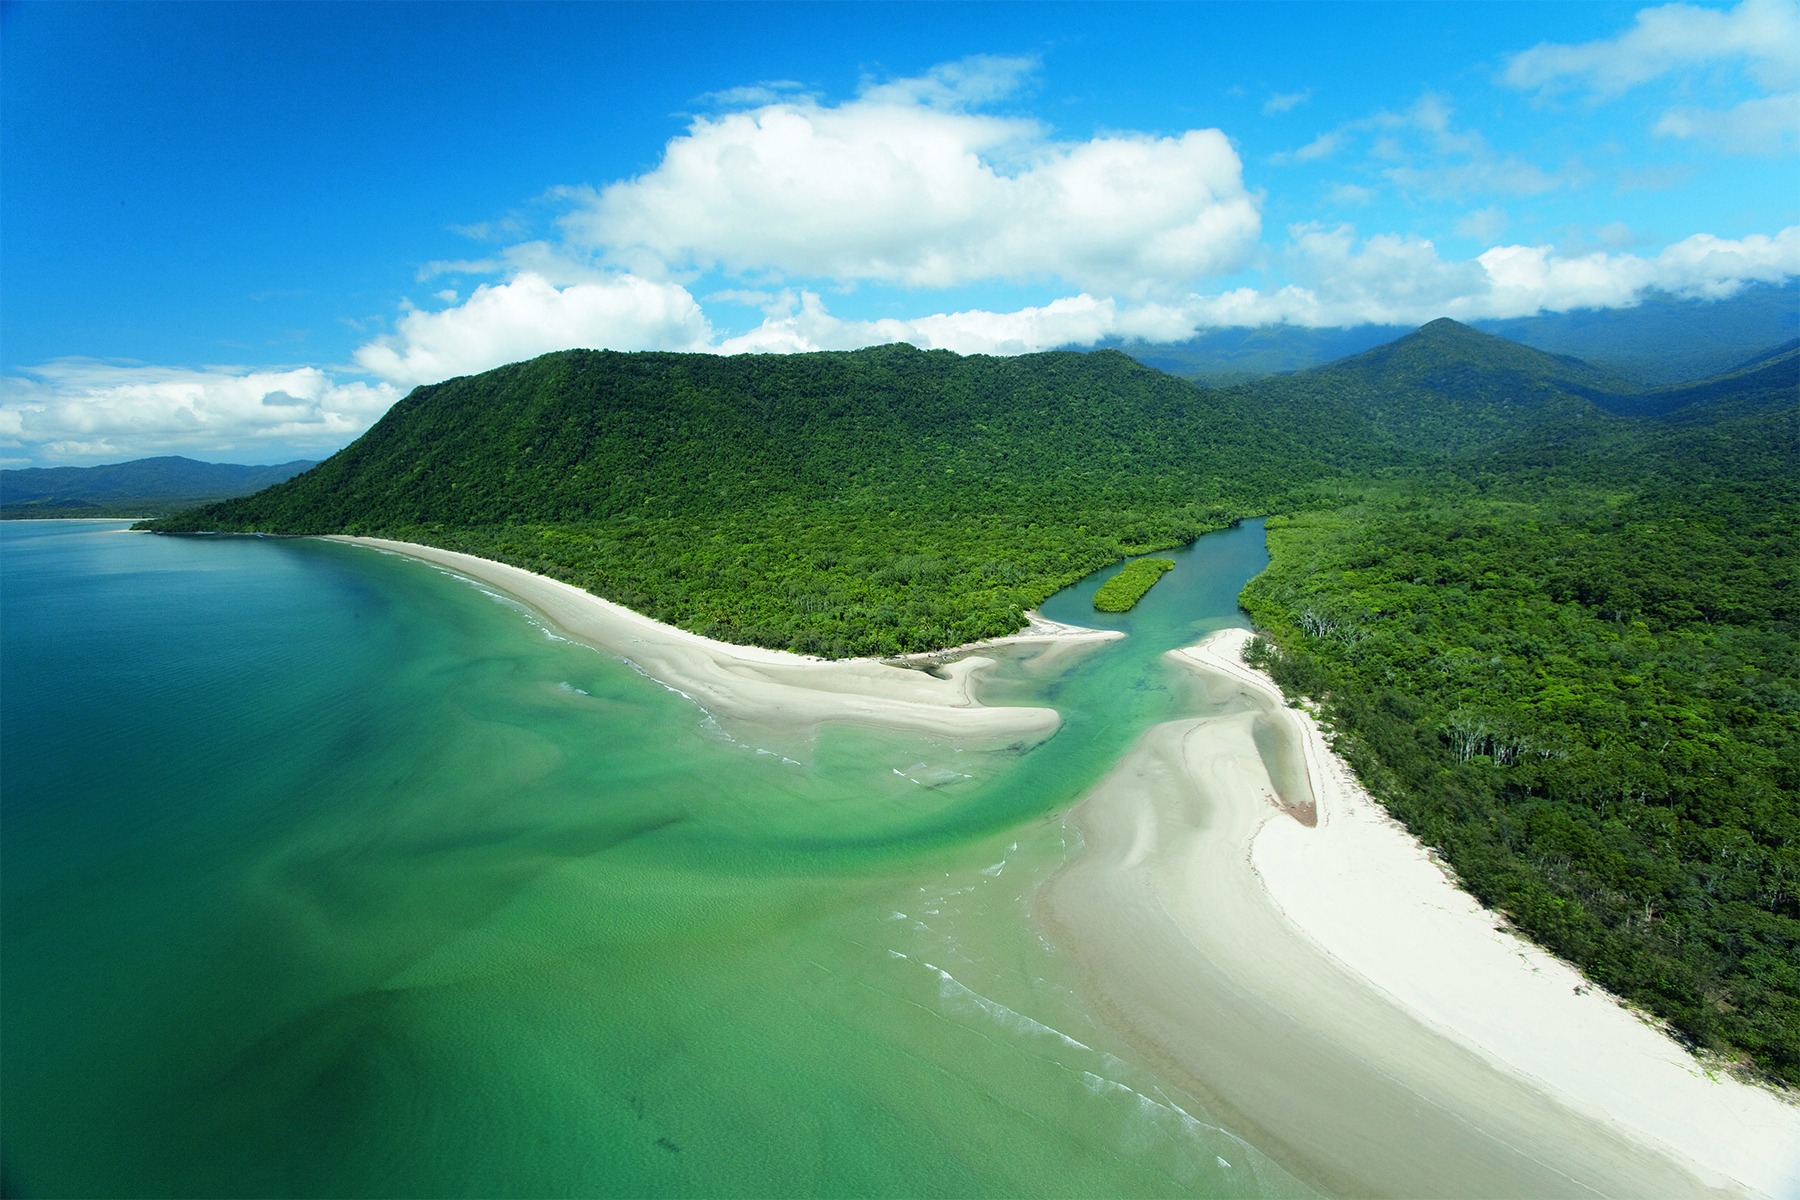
[(752, 684), (1331, 996)]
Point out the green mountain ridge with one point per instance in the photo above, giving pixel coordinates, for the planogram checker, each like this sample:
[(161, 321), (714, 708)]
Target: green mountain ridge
[(1553, 618)]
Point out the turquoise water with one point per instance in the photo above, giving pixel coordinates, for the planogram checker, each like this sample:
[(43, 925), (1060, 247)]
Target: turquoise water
[(326, 872)]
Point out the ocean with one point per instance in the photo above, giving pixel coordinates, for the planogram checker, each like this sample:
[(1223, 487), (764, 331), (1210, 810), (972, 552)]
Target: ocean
[(327, 872)]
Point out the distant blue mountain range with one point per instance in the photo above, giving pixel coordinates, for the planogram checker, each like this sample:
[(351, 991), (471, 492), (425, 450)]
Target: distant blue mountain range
[(1660, 342), (142, 487)]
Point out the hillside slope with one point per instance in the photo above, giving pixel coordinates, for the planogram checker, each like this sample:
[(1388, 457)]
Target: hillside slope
[(879, 501)]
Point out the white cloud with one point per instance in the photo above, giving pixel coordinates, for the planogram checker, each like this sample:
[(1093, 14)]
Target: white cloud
[(1769, 125), (766, 92), (1282, 102), (801, 323), (963, 84), (1763, 34), (1421, 152), (1395, 280), (507, 322), (1761, 37), (76, 409), (905, 185), (1323, 146), (1338, 281)]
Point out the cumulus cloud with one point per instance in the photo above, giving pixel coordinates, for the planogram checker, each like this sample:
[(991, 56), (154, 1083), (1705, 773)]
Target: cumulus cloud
[(528, 316), (1388, 279), (908, 184), (75, 409), (1338, 280), (801, 322), (1760, 37)]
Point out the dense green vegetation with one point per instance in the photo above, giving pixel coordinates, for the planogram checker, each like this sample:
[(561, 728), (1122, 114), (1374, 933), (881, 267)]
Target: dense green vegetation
[(1551, 615), (133, 489), (1122, 592), (1576, 672)]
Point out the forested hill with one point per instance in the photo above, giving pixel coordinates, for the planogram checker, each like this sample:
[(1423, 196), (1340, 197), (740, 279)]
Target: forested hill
[(1554, 620), (886, 499), (598, 435), (1445, 391), (877, 501), (144, 485), (889, 499)]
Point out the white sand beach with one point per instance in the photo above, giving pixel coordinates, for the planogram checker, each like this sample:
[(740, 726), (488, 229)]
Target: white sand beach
[(1386, 927), (751, 684)]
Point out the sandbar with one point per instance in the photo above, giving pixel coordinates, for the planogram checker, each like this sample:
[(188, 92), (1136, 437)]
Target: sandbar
[(751, 684)]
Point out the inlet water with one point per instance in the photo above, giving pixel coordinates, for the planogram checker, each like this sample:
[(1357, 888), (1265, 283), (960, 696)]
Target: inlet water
[(327, 872)]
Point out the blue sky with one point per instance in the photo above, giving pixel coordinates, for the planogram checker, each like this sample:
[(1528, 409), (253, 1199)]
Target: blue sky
[(241, 231)]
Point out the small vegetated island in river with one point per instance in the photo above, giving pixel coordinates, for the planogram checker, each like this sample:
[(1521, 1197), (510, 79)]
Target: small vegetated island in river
[(1550, 615), (1122, 592)]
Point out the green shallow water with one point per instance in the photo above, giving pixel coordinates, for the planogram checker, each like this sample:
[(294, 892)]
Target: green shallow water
[(328, 873)]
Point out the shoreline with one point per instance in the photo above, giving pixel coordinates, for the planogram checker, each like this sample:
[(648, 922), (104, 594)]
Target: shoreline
[(754, 685), (1366, 895), (1327, 991)]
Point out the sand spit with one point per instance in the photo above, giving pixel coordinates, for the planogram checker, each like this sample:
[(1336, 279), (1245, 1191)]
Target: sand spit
[(748, 683), (1038, 629), (1331, 996)]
